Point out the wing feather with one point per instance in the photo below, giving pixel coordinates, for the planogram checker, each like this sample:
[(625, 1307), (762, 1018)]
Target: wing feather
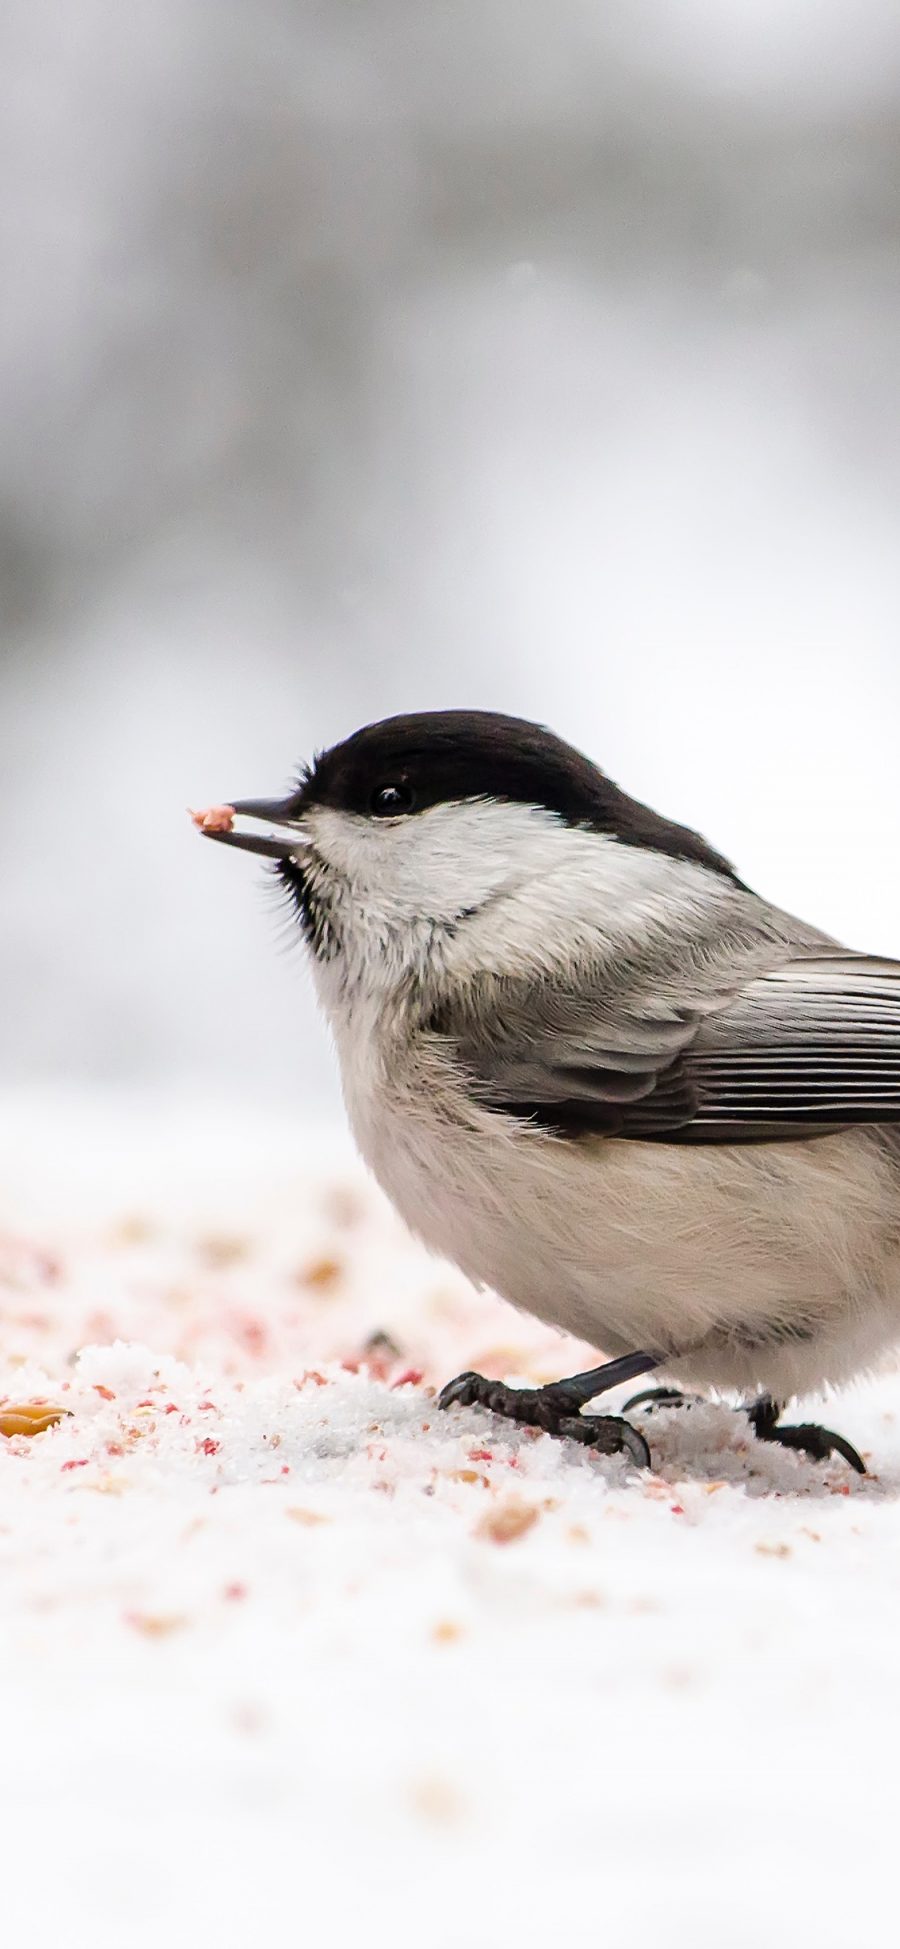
[(815, 1042), (810, 1046)]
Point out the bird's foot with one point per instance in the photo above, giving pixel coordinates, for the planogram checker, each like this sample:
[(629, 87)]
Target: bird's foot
[(807, 1436), (662, 1397), (555, 1409)]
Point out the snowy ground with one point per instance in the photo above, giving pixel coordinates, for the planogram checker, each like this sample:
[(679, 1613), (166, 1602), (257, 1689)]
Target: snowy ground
[(287, 1656)]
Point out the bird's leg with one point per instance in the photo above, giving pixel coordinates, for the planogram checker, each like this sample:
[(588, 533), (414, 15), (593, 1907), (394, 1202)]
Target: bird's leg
[(812, 1440), (557, 1408)]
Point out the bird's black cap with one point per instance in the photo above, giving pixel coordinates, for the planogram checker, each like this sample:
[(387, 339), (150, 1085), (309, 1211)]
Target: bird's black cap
[(403, 765)]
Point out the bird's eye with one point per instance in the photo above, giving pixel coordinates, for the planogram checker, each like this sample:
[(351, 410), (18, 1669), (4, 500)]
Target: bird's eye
[(389, 800)]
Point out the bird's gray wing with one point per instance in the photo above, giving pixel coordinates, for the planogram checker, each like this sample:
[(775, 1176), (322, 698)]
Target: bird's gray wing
[(810, 1046), (814, 1045)]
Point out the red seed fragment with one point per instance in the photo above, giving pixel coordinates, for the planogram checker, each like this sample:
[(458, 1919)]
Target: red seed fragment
[(214, 818), (253, 1334), (208, 1446), (74, 1465)]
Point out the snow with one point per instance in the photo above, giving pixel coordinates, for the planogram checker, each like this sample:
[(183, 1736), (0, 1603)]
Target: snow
[(286, 1654)]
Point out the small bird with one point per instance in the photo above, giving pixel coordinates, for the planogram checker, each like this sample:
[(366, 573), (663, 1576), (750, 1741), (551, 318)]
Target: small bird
[(595, 1070)]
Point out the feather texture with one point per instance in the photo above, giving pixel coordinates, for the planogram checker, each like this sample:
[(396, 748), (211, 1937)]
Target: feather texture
[(484, 957), (814, 1045)]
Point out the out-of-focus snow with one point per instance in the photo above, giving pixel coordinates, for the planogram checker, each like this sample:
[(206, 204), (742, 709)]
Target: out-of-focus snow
[(287, 1655)]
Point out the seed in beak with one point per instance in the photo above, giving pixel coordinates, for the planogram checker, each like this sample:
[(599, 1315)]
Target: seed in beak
[(216, 818)]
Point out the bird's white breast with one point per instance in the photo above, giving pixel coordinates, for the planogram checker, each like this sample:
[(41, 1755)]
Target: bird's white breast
[(770, 1264), (767, 1265)]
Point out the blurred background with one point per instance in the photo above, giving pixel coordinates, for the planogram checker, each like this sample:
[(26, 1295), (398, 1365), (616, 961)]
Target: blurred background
[(370, 358)]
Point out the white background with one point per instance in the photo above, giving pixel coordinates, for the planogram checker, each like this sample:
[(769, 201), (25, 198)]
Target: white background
[(363, 360)]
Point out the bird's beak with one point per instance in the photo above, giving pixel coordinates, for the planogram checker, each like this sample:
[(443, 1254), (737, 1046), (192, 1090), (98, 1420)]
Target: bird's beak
[(282, 845)]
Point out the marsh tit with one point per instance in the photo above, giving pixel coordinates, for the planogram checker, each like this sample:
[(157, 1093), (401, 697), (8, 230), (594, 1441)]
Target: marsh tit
[(596, 1071)]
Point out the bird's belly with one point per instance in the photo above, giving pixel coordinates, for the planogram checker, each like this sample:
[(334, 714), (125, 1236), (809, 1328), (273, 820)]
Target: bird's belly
[(772, 1265)]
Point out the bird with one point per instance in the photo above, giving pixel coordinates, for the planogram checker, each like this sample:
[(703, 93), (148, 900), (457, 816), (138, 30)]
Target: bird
[(596, 1071)]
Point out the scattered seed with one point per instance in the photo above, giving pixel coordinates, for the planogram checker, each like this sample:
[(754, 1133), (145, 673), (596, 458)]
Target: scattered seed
[(447, 1631), (31, 1418), (154, 1627), (507, 1521)]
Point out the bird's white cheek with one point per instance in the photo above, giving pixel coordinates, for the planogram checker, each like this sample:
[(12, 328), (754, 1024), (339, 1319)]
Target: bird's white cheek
[(390, 873), (435, 865)]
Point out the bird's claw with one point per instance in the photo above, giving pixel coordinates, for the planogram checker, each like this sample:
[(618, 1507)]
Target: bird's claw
[(462, 1392), (806, 1437), (547, 1408), (652, 1398), (809, 1439)]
